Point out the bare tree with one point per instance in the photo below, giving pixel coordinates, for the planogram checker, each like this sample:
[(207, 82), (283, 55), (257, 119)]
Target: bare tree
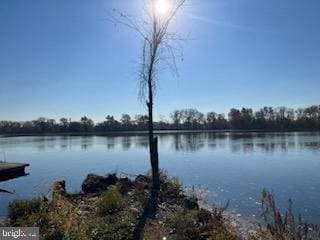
[(159, 49)]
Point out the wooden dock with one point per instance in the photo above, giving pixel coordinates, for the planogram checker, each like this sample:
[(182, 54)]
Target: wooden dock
[(12, 170)]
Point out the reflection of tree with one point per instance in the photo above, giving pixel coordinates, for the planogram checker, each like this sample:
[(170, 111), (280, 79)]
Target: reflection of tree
[(243, 135), (177, 141), (269, 143), (239, 142), (64, 142), (216, 140), (110, 142), (86, 142), (313, 146), (216, 135), (189, 142), (242, 142), (272, 142), (45, 142), (248, 148), (142, 141), (235, 148), (268, 147), (41, 147), (126, 142)]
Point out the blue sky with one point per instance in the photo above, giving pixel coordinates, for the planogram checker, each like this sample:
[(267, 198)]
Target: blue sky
[(63, 58)]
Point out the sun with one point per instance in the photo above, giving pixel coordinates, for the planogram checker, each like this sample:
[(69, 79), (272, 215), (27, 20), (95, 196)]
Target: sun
[(162, 6)]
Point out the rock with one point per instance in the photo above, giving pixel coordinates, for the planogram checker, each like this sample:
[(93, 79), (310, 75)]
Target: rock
[(95, 183), (142, 182), (125, 185)]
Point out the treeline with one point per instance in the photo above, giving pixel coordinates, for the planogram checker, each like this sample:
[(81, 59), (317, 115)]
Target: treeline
[(268, 118)]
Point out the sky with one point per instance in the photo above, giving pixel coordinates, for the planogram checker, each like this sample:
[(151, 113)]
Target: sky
[(65, 59)]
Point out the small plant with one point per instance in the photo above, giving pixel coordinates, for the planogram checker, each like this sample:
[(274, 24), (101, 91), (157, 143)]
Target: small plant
[(28, 213), (171, 185), (175, 185), (217, 212), (111, 201), (282, 227), (198, 224), (119, 227)]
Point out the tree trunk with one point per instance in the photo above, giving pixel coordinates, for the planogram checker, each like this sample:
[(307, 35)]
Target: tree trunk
[(153, 145), (155, 159)]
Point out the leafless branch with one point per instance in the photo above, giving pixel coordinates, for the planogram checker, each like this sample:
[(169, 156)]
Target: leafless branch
[(160, 47)]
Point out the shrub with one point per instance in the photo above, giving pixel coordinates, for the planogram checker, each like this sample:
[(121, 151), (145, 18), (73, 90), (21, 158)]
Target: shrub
[(28, 213), (198, 224), (111, 201), (120, 227)]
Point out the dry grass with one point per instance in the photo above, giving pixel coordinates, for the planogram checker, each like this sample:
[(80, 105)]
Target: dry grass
[(114, 214)]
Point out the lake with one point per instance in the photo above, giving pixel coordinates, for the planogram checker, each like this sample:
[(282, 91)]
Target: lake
[(231, 166)]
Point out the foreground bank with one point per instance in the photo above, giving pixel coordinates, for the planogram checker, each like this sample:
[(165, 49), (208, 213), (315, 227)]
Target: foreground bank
[(120, 208), (109, 207)]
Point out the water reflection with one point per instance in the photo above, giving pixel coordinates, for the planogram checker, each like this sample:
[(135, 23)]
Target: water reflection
[(140, 142), (126, 143), (64, 143), (190, 142), (86, 142), (244, 142), (180, 142), (8, 177), (234, 166), (10, 174)]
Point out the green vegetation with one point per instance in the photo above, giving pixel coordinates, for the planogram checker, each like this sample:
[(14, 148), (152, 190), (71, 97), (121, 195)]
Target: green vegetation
[(75, 217), (281, 118), (28, 213), (198, 224), (282, 226), (111, 201), (115, 213), (123, 210)]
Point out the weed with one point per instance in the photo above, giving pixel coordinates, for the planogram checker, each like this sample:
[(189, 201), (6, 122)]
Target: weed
[(282, 227), (111, 201)]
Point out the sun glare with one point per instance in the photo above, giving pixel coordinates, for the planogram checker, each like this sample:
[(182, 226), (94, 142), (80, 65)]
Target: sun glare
[(162, 6)]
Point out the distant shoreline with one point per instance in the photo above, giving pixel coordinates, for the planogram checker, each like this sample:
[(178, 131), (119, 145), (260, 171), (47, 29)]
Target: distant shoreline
[(159, 132)]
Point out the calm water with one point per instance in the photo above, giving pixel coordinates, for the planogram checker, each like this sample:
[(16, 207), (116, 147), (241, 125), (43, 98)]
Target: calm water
[(232, 166)]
